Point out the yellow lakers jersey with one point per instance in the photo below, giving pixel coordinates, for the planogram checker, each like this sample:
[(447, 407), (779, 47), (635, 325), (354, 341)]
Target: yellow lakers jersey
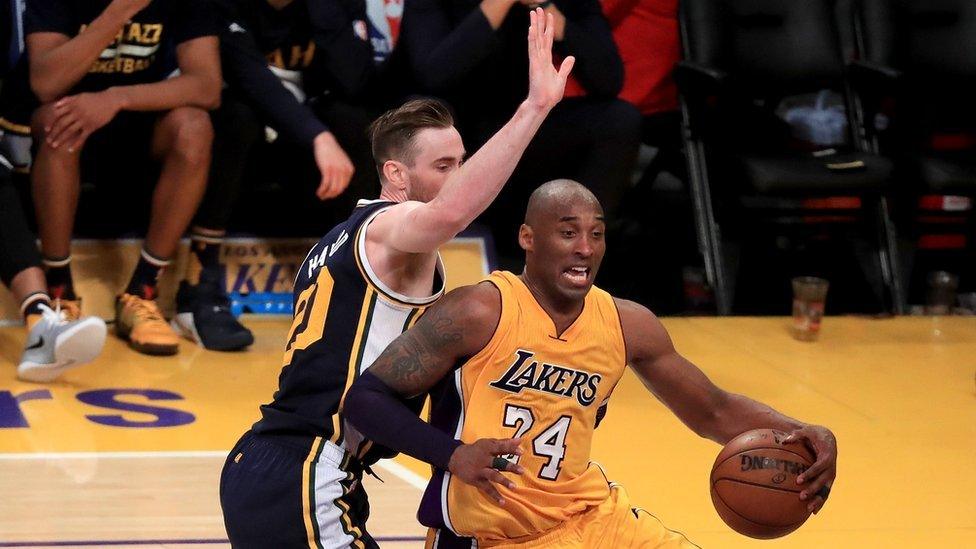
[(544, 387)]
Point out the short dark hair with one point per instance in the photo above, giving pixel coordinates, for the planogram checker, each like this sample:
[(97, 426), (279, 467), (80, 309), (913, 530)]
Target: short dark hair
[(393, 132)]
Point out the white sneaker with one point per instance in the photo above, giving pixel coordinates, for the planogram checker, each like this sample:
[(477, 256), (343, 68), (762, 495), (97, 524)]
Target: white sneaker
[(56, 344)]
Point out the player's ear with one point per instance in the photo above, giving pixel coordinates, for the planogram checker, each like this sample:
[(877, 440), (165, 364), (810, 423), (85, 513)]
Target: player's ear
[(525, 237), (395, 173)]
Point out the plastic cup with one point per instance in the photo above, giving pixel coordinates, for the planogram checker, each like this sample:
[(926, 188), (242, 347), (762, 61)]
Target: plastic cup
[(941, 295), (809, 296)]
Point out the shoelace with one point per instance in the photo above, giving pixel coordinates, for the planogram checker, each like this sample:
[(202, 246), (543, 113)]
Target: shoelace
[(54, 316), (145, 309)]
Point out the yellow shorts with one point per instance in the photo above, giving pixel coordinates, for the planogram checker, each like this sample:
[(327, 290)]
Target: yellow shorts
[(612, 524)]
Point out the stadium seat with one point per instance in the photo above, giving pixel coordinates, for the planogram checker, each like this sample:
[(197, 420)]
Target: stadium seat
[(741, 57), (917, 66)]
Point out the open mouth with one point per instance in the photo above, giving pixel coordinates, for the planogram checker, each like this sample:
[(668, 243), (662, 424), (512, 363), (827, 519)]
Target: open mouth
[(577, 275)]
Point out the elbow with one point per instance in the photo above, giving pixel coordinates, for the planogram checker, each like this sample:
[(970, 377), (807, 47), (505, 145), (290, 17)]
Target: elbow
[(206, 91), (213, 103), (210, 97), (44, 89), (722, 423), (711, 428)]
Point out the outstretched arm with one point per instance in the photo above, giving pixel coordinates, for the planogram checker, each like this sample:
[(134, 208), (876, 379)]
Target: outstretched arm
[(422, 228), (458, 326), (710, 411)]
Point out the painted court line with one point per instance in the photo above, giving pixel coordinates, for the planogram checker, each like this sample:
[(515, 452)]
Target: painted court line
[(398, 470), (104, 543), (406, 475), (14, 456)]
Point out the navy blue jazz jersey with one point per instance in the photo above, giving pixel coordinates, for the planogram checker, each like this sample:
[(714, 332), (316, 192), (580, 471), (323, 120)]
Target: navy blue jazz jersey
[(344, 318)]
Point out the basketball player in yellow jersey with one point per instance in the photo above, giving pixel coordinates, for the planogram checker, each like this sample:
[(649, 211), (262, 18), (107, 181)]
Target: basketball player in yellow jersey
[(521, 366)]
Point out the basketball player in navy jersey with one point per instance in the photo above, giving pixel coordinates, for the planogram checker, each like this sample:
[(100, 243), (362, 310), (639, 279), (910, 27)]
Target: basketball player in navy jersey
[(294, 479)]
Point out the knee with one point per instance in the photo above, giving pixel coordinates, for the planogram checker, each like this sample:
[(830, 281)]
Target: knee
[(41, 121), (192, 135)]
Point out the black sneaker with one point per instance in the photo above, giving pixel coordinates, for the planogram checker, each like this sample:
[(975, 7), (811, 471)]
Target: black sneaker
[(203, 315)]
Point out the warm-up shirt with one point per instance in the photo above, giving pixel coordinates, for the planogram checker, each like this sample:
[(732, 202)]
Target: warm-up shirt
[(144, 49)]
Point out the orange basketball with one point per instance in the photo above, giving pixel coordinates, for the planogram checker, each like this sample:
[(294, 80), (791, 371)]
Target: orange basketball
[(754, 485)]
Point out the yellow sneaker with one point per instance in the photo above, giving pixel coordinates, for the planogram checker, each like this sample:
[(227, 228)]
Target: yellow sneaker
[(141, 323)]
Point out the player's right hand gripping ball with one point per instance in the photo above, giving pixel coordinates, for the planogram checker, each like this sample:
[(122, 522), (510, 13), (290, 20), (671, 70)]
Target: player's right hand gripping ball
[(754, 485)]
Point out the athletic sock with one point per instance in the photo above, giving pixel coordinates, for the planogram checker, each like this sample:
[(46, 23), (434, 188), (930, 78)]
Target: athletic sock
[(31, 305), (58, 275), (143, 282)]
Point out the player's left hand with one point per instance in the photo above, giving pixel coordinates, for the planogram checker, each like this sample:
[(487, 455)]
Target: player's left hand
[(79, 116), (334, 165), (559, 20), (546, 83), (820, 476), (475, 464)]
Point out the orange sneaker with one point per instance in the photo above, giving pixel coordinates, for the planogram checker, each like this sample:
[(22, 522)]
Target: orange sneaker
[(141, 323)]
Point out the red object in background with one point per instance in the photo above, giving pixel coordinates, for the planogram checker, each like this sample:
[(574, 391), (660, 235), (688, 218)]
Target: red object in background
[(945, 203), (959, 141), (646, 33), (942, 242), (945, 206), (832, 203)]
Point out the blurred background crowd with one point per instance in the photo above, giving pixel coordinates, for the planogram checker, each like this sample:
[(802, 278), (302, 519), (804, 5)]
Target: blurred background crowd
[(734, 144)]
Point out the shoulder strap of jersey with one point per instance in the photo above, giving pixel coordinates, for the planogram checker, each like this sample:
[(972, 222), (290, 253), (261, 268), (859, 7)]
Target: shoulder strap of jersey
[(359, 249)]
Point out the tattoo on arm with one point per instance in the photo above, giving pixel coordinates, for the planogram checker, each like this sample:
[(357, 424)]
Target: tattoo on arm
[(422, 355)]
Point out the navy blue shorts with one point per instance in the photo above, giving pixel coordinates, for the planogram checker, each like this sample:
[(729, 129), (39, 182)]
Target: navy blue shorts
[(283, 493)]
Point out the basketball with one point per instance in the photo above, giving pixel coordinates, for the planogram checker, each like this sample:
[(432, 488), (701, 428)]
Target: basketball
[(753, 484)]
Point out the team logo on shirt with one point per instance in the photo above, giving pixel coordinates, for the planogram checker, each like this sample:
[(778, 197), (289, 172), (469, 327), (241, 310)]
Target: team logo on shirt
[(525, 373), (133, 50)]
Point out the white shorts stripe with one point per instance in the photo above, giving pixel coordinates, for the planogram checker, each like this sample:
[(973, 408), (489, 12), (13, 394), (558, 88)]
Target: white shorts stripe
[(328, 488)]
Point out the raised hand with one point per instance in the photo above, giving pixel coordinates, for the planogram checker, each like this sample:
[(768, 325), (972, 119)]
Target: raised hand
[(546, 84), (479, 464)]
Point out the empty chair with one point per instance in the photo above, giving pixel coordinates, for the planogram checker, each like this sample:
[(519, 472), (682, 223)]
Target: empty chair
[(747, 165)]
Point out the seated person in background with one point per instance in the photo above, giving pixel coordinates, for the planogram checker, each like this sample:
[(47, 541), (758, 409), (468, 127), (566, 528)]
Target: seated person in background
[(646, 34), (54, 343), (100, 71), (520, 369), (653, 217), (302, 68), (471, 53)]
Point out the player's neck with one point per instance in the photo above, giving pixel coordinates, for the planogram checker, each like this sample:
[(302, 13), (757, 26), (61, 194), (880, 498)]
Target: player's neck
[(393, 194), (562, 310)]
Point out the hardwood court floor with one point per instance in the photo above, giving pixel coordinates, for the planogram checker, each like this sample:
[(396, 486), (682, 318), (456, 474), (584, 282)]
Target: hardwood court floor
[(127, 451)]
